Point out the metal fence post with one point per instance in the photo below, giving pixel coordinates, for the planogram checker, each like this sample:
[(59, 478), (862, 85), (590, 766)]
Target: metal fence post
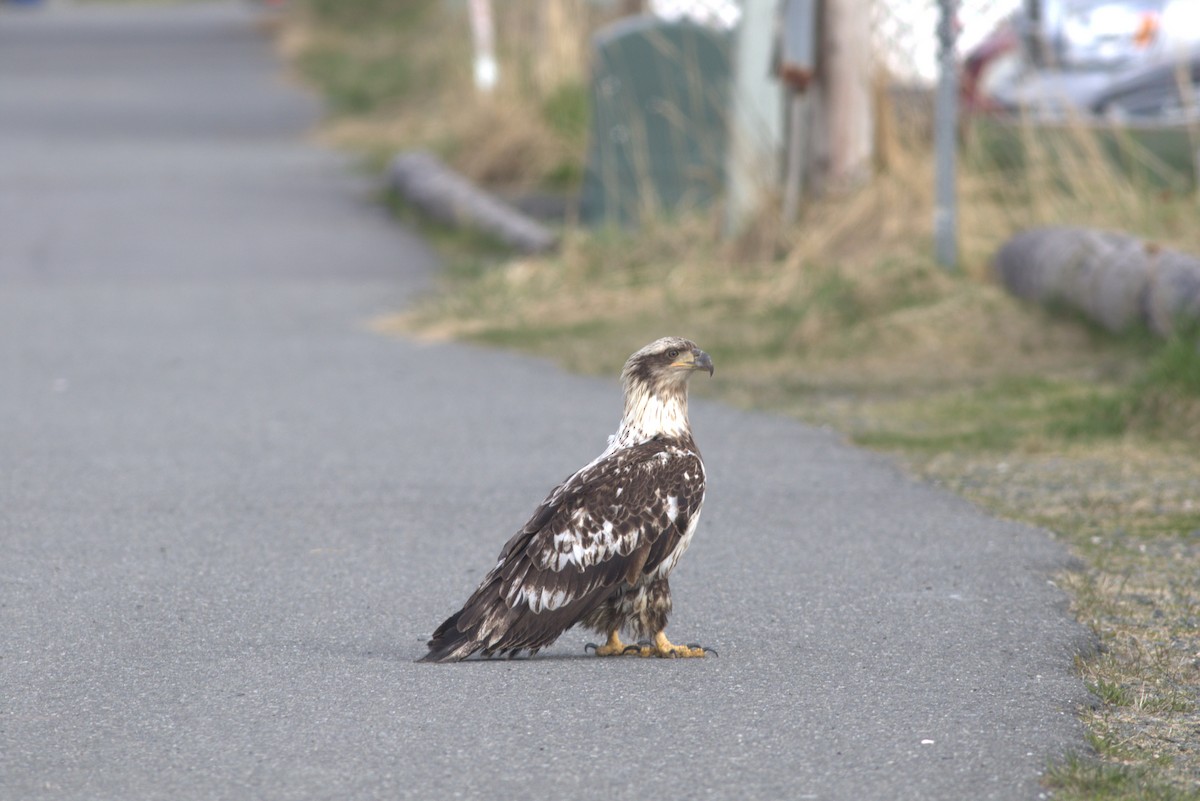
[(483, 37), (796, 65), (945, 217)]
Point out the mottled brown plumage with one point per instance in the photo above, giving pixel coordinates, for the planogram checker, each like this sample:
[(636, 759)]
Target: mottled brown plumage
[(599, 549)]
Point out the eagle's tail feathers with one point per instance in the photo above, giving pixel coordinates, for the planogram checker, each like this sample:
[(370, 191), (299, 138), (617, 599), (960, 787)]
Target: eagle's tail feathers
[(480, 625), (487, 624), (448, 643)]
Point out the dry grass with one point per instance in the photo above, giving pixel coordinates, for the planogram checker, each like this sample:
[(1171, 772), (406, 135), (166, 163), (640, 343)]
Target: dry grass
[(855, 293), (398, 76), (844, 320), (1036, 416), (1133, 513)]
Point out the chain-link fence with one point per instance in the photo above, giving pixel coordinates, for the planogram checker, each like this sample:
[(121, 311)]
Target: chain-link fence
[(900, 45), (905, 34)]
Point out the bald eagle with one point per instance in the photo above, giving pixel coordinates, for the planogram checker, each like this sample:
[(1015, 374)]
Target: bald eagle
[(599, 549)]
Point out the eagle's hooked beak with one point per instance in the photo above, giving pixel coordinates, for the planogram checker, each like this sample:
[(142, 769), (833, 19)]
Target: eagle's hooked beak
[(696, 360)]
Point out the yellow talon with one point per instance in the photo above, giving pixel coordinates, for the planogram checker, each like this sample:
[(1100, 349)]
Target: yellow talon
[(614, 646), (664, 648)]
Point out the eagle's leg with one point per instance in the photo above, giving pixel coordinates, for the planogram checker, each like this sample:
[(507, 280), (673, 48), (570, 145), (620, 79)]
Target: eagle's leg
[(614, 646), (665, 648)]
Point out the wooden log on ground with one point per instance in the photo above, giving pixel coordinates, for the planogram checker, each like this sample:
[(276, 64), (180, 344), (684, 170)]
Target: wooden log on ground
[(421, 179), (1174, 294), (1115, 279)]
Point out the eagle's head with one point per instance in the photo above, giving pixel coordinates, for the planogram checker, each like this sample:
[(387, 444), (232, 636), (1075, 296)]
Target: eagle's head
[(655, 380), (665, 365)]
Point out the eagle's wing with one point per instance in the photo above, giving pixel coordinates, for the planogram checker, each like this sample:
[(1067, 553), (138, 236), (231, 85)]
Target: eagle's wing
[(607, 523), (615, 519)]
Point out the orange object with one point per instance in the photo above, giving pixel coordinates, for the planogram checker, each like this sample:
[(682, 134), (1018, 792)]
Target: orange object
[(1147, 29)]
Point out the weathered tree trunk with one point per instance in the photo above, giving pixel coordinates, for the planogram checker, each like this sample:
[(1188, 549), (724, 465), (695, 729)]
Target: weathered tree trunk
[(424, 181), (842, 117), (1115, 279)]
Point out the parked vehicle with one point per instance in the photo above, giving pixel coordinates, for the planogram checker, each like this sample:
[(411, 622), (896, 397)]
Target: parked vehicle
[(1128, 72), (1165, 92), (1060, 55)]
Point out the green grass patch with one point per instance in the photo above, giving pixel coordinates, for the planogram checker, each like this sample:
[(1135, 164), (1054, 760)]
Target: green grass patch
[(1176, 364), (370, 15), (1094, 415), (1012, 412), (980, 439), (1109, 693), (1080, 779), (567, 112), (358, 83)]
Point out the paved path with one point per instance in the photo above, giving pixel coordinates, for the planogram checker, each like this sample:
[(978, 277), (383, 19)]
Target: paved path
[(230, 514)]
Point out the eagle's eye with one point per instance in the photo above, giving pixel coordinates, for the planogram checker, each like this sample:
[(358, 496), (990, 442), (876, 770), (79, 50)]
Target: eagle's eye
[(673, 354)]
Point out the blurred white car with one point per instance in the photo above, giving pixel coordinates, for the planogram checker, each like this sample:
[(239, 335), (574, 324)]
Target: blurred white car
[(1112, 34), (1065, 54)]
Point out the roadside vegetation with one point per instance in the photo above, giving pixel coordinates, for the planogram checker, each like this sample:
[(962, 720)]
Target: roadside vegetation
[(844, 320)]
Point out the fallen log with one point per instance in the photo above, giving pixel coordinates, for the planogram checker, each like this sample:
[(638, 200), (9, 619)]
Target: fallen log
[(421, 179), (1115, 279)]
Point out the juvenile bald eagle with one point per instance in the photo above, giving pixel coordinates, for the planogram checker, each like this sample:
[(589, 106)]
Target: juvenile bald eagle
[(599, 549)]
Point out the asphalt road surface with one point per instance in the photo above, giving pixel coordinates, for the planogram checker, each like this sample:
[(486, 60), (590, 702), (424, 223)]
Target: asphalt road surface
[(230, 513)]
